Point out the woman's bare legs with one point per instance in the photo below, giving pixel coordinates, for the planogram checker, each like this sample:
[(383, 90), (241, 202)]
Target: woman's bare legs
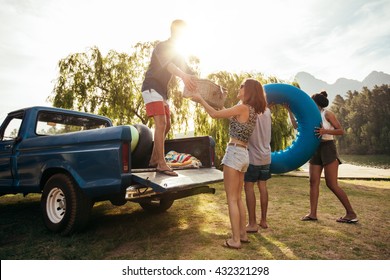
[(233, 181), (315, 178), (331, 175)]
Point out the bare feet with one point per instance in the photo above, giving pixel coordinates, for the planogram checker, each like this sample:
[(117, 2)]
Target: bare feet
[(263, 224), (244, 238), (252, 228)]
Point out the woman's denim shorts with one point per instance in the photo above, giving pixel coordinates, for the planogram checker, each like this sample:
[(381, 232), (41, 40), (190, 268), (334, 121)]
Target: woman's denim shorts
[(236, 158)]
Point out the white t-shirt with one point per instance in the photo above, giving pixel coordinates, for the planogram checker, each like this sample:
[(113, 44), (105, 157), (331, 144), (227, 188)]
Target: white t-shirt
[(259, 143)]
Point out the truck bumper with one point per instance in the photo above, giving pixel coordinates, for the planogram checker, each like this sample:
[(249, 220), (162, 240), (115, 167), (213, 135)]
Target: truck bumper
[(135, 195)]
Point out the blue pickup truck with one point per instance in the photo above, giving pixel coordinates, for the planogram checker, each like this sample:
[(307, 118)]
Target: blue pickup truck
[(75, 159)]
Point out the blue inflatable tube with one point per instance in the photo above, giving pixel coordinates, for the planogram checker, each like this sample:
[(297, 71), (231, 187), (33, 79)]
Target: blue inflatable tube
[(308, 118)]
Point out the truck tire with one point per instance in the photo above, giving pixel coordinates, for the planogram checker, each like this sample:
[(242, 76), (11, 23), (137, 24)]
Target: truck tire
[(64, 207), (118, 200), (140, 157), (157, 206)]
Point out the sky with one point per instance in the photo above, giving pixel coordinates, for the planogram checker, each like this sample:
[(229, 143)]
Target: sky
[(329, 39)]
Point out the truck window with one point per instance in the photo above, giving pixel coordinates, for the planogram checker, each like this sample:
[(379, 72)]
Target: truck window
[(50, 123), (12, 129)]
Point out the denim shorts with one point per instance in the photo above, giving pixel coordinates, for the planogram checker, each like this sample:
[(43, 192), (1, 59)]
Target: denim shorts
[(236, 158), (257, 173)]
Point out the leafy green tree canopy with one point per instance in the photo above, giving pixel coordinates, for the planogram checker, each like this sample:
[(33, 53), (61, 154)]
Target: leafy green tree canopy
[(111, 86), (106, 85), (365, 118)]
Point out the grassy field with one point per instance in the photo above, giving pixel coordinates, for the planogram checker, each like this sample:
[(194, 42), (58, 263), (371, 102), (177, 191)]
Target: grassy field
[(195, 228)]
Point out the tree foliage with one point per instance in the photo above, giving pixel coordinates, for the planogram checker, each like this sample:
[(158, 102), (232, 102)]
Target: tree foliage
[(282, 131), (365, 119), (110, 85), (106, 85)]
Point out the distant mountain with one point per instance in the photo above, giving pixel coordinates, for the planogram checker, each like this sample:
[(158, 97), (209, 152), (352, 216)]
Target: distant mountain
[(311, 84)]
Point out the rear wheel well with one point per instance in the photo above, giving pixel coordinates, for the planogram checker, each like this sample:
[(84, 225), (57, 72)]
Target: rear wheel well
[(50, 172)]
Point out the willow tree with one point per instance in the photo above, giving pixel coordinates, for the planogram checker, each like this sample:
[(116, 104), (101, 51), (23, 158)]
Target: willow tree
[(282, 131), (107, 85), (110, 85), (181, 108)]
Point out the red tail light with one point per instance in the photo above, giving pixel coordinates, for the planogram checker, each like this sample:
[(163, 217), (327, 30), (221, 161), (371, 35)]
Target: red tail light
[(125, 157)]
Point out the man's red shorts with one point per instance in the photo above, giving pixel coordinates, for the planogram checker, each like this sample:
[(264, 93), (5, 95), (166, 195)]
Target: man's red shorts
[(157, 108)]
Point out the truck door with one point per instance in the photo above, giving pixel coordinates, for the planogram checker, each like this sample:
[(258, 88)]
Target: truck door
[(9, 134)]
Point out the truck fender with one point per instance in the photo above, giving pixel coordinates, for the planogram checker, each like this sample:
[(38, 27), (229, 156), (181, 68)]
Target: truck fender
[(55, 166)]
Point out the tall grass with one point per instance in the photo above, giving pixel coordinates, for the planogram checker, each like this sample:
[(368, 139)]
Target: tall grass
[(196, 227)]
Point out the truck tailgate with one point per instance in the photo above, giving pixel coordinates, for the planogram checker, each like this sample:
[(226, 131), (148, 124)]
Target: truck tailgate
[(188, 178)]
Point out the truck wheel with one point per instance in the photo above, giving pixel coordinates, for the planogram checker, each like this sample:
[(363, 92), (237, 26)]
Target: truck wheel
[(64, 207), (156, 206), (118, 200), (141, 155)]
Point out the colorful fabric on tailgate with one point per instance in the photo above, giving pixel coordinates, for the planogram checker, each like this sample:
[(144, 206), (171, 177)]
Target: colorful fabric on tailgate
[(181, 159)]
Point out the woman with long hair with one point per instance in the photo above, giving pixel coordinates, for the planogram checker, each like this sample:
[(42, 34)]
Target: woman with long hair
[(236, 159)]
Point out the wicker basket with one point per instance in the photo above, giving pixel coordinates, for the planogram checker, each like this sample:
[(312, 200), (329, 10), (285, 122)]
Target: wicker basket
[(212, 93)]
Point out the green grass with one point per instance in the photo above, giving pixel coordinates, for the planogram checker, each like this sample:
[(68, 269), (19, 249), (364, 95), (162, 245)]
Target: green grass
[(196, 227), (378, 161)]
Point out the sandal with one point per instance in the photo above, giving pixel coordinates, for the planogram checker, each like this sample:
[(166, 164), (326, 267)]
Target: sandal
[(168, 172), (227, 245), (347, 221)]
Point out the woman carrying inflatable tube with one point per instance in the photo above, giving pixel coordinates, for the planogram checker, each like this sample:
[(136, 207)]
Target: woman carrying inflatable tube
[(326, 157)]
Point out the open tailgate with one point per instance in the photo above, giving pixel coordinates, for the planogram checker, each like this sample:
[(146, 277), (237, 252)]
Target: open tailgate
[(148, 182)]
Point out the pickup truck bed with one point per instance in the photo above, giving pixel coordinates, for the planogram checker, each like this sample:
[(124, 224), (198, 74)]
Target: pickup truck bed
[(150, 187)]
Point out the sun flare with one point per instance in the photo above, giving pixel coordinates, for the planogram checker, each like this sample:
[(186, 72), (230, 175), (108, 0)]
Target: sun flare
[(198, 41)]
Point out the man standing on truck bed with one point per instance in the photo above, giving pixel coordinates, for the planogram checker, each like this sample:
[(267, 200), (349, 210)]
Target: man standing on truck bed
[(164, 64)]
